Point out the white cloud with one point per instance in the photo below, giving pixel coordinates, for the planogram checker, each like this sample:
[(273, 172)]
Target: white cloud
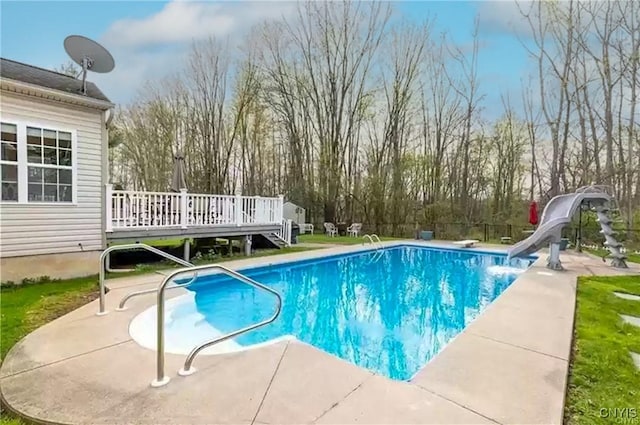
[(155, 46), (177, 22), (504, 17)]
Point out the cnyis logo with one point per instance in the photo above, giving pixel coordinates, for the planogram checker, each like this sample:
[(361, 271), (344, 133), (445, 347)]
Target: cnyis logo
[(627, 415)]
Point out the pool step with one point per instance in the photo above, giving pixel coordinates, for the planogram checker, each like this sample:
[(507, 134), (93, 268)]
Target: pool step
[(632, 320), (636, 359), (630, 297)]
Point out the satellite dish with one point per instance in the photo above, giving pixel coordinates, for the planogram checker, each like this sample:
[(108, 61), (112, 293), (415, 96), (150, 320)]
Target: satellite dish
[(90, 55)]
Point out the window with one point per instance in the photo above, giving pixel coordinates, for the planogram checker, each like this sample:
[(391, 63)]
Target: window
[(37, 164), (50, 168), (9, 162)]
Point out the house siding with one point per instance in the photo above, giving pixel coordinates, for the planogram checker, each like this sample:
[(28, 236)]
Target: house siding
[(34, 229)]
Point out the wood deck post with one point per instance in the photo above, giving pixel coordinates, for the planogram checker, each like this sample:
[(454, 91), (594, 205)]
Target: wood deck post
[(247, 245), (280, 213), (187, 249), (184, 206), (238, 210)]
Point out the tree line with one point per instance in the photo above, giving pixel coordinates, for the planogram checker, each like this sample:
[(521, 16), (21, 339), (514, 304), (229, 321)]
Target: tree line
[(358, 115)]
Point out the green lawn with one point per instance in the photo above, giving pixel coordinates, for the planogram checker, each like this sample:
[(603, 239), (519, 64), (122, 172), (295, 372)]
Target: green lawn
[(602, 374), (633, 258), (168, 243), (25, 308), (218, 258), (337, 240), (317, 238), (6, 419), (258, 253)]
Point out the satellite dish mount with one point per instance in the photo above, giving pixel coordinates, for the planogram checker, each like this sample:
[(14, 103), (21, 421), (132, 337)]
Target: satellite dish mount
[(90, 55), (87, 63)]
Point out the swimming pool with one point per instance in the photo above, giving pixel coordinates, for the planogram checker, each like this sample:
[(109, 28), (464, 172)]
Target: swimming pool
[(389, 312)]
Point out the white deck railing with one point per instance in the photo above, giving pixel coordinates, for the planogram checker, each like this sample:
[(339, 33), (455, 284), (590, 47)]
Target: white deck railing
[(285, 231), (130, 209)]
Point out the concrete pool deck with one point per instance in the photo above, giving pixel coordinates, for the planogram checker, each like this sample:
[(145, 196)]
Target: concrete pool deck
[(508, 366)]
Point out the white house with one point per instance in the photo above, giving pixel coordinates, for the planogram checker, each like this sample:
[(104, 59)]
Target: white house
[(54, 164)]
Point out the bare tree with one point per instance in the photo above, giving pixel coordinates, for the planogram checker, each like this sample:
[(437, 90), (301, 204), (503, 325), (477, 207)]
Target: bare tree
[(400, 88), (552, 27), (69, 68), (337, 43), (360, 118), (469, 92)]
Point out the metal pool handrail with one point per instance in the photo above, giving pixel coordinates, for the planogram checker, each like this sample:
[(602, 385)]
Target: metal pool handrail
[(367, 236), (375, 242), (109, 250), (161, 379), (130, 295)]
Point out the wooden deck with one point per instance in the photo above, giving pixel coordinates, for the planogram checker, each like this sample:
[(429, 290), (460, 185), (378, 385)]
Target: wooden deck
[(138, 215)]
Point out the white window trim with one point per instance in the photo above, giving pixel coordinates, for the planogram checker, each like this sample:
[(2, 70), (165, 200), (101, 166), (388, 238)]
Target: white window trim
[(5, 162), (23, 188)]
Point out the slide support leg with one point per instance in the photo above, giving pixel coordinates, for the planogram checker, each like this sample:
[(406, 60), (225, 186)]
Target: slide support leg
[(554, 257)]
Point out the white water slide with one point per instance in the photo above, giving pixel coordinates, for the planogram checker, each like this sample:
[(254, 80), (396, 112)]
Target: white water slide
[(557, 214)]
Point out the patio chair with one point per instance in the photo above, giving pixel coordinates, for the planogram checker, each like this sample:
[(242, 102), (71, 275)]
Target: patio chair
[(354, 229), (330, 229), (306, 228)]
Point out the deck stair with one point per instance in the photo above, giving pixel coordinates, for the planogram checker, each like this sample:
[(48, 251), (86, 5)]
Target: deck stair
[(274, 239)]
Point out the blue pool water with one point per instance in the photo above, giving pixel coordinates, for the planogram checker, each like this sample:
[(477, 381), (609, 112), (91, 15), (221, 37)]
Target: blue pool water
[(390, 315)]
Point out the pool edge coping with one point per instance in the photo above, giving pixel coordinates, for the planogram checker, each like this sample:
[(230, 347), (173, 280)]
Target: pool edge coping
[(355, 250), (344, 250), (504, 298)]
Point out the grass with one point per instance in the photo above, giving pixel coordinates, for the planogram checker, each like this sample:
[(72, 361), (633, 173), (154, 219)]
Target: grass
[(168, 243), (602, 374), (25, 308), (337, 240), (285, 250), (632, 258), (165, 265), (6, 419)]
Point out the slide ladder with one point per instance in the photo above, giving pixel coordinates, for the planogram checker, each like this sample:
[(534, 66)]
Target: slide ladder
[(612, 244)]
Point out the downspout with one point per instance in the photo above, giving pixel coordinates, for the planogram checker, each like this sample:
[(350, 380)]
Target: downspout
[(109, 114), (106, 118)]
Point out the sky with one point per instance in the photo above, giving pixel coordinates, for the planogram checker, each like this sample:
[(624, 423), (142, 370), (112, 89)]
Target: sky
[(149, 39)]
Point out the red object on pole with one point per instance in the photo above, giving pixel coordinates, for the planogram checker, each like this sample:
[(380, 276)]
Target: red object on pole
[(533, 213)]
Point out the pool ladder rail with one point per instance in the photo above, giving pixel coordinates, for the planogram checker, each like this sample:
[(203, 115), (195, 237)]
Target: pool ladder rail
[(377, 244), (127, 247), (188, 369), (373, 240)]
